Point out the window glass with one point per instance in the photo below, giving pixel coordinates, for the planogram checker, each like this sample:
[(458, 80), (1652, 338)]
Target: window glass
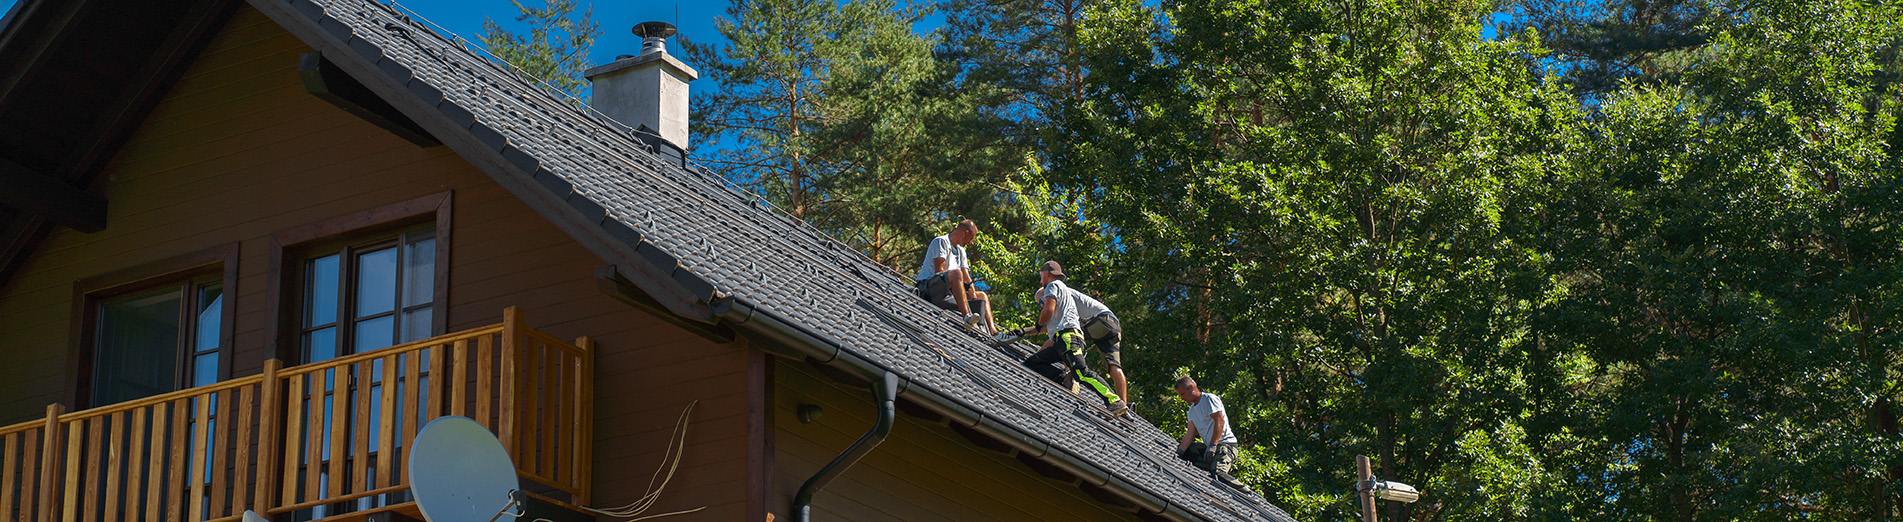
[(322, 291), (137, 340), (386, 286), (320, 345), (416, 324), (376, 282), (211, 308), (205, 369), (419, 272), (374, 334)]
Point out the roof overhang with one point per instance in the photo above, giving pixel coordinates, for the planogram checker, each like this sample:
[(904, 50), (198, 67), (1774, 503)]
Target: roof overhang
[(76, 78)]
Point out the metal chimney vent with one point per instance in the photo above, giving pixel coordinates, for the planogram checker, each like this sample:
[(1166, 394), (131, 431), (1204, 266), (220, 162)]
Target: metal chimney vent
[(654, 36)]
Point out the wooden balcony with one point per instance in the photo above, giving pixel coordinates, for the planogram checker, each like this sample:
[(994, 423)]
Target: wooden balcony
[(325, 439)]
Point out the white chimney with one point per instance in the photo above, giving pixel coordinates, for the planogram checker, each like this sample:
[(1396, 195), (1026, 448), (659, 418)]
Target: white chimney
[(648, 89)]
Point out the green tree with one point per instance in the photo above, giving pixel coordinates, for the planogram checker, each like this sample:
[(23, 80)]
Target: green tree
[(1318, 209), (840, 113), (1599, 44), (1730, 267), (555, 50)]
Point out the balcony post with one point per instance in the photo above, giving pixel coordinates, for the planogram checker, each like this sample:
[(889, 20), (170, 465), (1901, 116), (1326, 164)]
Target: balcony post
[(50, 449), (511, 352), (585, 430), (270, 448)]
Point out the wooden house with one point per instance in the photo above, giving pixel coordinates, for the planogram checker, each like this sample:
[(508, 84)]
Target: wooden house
[(247, 248)]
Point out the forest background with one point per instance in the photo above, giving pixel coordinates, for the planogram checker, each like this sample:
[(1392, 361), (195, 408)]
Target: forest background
[(1543, 259)]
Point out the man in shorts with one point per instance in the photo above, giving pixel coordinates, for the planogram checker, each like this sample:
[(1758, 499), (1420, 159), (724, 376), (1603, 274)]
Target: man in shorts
[(1057, 316), (944, 278), (1103, 330)]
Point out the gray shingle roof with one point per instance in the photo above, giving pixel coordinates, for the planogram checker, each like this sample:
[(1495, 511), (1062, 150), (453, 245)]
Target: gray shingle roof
[(719, 244)]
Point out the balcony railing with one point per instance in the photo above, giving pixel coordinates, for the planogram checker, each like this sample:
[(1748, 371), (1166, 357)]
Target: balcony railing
[(326, 438)]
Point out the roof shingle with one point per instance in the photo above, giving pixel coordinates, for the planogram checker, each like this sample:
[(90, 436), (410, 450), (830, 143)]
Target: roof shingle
[(718, 243)]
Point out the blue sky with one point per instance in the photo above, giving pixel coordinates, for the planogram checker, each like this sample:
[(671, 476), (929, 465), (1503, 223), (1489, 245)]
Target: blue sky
[(617, 17)]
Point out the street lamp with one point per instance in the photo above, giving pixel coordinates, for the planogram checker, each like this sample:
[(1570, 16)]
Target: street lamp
[(1368, 489)]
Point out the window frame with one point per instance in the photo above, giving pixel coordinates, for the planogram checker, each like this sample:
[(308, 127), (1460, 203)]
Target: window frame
[(187, 272), (293, 247), (348, 250)]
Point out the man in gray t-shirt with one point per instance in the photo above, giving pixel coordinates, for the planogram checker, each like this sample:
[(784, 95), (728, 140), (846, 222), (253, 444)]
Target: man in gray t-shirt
[(1101, 328), (1057, 316), (1208, 422)]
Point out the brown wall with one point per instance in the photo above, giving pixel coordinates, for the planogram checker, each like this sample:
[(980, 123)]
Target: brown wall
[(238, 151), (923, 471)]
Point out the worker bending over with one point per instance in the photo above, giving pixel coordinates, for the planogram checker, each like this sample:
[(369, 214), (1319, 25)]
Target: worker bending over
[(1057, 316), (944, 278), (1207, 421), (1103, 330)]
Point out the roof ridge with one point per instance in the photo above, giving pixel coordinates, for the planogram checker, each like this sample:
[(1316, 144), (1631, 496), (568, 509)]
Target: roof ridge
[(722, 243)]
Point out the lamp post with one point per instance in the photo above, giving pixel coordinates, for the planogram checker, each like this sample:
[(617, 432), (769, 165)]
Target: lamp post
[(1367, 489)]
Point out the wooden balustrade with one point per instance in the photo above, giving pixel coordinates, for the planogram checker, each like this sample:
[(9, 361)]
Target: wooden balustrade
[(328, 438)]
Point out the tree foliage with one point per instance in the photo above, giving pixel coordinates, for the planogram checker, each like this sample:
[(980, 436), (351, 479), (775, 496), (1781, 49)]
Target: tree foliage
[(1624, 260), (555, 48), (840, 113)]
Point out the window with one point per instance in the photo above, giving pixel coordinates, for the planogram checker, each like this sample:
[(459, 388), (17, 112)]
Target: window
[(156, 341), (153, 328), (367, 295)]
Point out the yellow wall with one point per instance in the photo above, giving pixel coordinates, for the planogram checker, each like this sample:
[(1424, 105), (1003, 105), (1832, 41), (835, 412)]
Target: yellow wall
[(923, 471)]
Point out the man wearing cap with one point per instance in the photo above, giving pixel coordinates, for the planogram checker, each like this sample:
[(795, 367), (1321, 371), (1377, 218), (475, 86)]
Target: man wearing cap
[(1057, 316), (944, 278)]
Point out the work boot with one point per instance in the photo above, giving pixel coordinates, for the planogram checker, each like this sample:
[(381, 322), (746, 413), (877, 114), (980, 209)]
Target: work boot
[(1119, 408), (974, 321)]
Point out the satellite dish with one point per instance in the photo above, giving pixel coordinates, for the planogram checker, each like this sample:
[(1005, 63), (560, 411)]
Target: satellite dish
[(252, 516), (459, 472)]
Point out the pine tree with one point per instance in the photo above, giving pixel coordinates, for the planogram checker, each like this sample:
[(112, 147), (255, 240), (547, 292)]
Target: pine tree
[(1598, 44), (555, 50), (840, 113)]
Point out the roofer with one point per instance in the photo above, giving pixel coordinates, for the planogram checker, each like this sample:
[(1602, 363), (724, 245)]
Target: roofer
[(1207, 421), (1057, 316), (1101, 328), (944, 278)]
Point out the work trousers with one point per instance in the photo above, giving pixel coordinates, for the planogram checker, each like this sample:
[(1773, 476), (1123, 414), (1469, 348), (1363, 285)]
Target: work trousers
[(1068, 348)]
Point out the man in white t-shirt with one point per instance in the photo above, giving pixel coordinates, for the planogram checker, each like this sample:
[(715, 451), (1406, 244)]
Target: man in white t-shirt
[(1057, 316), (1102, 329), (944, 277), (1208, 422)]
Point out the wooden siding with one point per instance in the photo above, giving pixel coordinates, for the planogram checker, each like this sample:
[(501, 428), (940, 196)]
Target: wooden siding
[(237, 151), (923, 471)]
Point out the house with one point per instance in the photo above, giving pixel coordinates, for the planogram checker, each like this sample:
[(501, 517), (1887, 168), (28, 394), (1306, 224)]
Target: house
[(247, 248)]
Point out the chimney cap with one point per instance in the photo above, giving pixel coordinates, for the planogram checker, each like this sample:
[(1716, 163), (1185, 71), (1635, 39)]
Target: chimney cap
[(654, 29)]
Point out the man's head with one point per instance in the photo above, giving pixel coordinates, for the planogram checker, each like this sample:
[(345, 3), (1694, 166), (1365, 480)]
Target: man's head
[(1050, 272), (964, 233), (1187, 390)]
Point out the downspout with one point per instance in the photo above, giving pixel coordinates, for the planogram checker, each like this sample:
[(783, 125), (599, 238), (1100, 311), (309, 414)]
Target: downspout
[(821, 349), (885, 393)]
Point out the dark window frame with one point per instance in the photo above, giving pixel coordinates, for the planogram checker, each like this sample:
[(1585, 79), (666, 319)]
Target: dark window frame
[(349, 250), (188, 271), (290, 247)]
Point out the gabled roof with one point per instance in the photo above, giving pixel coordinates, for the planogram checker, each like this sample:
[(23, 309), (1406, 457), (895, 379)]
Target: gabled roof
[(713, 254), (76, 76)]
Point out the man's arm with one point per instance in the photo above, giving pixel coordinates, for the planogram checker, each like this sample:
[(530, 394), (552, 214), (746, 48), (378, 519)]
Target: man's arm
[(938, 265), (1189, 435), (1220, 427), (1046, 308)]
